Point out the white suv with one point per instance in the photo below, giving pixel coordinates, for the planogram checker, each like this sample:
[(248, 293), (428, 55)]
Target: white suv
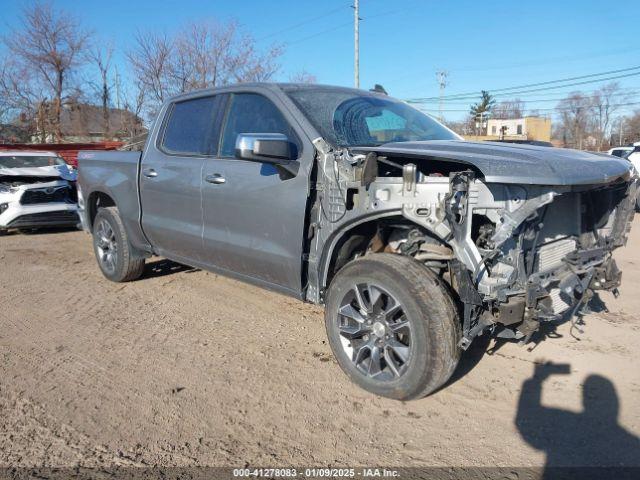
[(37, 190), (620, 151)]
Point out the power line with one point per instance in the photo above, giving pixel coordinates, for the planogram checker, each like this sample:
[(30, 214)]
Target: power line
[(547, 61), (528, 64), (550, 82), (622, 93), (337, 27), (549, 88), (333, 29), (539, 109), (573, 84), (304, 22), (461, 96)]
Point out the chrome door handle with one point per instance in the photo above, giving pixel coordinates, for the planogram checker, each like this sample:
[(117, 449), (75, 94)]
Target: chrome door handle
[(215, 178), (149, 173)]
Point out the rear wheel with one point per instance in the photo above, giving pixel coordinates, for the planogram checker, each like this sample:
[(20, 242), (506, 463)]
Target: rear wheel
[(112, 248), (393, 326)]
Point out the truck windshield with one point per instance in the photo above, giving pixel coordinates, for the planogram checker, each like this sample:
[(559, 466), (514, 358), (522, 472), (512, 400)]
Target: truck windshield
[(346, 118), (23, 161)]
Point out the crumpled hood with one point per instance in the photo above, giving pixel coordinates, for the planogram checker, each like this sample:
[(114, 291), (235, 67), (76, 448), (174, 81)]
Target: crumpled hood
[(63, 171), (517, 163)]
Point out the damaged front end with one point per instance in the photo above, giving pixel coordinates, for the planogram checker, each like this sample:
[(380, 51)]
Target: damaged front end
[(37, 197), (517, 254), (542, 251)]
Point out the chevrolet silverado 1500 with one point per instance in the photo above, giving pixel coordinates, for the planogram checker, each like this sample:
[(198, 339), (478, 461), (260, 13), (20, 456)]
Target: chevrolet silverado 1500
[(414, 240)]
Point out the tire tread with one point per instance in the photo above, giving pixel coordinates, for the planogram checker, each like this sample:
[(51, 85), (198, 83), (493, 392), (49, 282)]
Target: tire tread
[(132, 267), (441, 314)]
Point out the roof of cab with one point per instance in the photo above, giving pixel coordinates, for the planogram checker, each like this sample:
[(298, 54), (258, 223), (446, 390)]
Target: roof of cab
[(285, 87)]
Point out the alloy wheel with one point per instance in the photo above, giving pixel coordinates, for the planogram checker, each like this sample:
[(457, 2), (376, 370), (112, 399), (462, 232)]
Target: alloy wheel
[(106, 246), (375, 332)]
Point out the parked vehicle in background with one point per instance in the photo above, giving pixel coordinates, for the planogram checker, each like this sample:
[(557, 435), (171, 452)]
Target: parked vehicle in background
[(37, 190), (620, 151), (634, 157), (414, 240)]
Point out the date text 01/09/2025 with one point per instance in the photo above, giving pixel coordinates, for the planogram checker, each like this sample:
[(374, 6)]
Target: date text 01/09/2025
[(315, 472)]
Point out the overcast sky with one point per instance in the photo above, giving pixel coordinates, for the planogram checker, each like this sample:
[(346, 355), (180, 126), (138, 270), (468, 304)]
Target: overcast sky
[(482, 44)]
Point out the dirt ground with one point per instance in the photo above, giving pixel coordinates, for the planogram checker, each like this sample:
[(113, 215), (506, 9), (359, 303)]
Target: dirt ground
[(185, 367)]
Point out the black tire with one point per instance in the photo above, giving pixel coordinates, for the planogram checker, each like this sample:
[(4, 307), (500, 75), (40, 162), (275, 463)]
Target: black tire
[(428, 316), (122, 266)]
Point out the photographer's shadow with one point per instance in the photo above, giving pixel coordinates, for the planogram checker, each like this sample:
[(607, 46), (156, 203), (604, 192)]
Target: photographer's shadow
[(591, 438)]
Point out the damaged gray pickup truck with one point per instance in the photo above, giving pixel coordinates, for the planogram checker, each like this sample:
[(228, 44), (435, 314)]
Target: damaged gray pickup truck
[(414, 240)]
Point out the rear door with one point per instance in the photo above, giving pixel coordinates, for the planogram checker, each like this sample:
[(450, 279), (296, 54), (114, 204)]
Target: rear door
[(171, 177), (254, 217)]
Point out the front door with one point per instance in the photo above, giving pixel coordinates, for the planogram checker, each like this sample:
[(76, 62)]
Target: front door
[(254, 217), (171, 178)]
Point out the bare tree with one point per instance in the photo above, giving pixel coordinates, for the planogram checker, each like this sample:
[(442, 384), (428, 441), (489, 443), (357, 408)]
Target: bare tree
[(632, 127), (24, 97), (150, 64), (50, 45), (200, 55), (605, 103), (302, 77), (246, 64), (575, 114), (132, 107), (467, 126), (618, 135), (101, 57), (508, 109)]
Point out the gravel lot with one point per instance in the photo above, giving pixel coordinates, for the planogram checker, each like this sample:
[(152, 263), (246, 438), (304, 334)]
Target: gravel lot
[(185, 367)]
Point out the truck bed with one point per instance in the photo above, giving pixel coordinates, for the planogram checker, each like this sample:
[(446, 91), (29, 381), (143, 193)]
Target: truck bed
[(116, 175)]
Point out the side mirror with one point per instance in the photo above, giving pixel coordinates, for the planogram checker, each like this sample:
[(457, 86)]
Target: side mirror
[(274, 148)]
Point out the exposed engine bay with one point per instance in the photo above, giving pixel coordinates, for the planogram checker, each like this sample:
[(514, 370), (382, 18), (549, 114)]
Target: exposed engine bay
[(517, 253)]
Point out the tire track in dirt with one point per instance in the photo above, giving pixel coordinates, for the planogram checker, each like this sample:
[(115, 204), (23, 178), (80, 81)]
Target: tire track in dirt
[(193, 368)]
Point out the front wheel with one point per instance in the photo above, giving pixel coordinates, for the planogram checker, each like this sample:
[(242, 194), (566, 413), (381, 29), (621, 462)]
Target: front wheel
[(393, 326), (112, 248)]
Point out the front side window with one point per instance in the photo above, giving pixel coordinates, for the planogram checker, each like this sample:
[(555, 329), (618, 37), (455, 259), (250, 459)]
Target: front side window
[(189, 129), (252, 113)]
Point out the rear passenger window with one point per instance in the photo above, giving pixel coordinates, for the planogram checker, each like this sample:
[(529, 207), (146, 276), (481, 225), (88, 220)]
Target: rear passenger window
[(189, 129), (253, 113)]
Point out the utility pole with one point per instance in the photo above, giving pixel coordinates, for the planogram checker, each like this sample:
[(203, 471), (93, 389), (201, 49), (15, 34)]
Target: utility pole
[(356, 43), (117, 89), (120, 112), (578, 142), (442, 81)]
